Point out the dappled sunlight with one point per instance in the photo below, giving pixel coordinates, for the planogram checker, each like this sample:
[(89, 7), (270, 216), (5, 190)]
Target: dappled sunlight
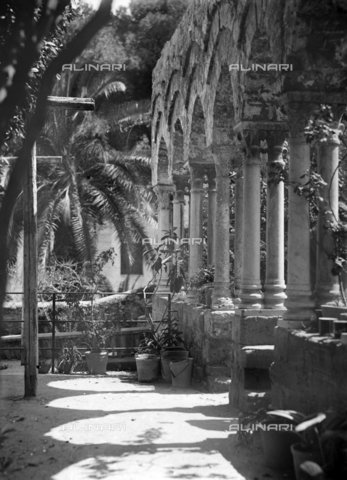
[(140, 427), (157, 465), (100, 384)]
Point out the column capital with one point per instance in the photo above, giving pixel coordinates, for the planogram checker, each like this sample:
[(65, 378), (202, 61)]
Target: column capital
[(196, 177), (178, 196), (163, 193)]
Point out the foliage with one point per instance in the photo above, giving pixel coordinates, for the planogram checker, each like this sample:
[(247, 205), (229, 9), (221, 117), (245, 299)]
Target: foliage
[(171, 256), (248, 422), (319, 129), (69, 358), (327, 433), (162, 338), (13, 51), (68, 278), (202, 280), (96, 330), (21, 50), (95, 184)]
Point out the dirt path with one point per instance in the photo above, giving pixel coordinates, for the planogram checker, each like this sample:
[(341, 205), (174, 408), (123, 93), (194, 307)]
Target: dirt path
[(95, 427)]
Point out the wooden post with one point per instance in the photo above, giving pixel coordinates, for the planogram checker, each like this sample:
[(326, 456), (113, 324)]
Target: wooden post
[(31, 354), (30, 314)]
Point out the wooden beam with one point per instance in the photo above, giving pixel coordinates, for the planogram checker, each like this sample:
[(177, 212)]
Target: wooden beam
[(71, 102), (31, 352)]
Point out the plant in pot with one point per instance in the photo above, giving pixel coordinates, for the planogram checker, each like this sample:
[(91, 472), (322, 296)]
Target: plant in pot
[(330, 437), (172, 347), (148, 358), (96, 331), (170, 255), (309, 448), (69, 358), (274, 429)]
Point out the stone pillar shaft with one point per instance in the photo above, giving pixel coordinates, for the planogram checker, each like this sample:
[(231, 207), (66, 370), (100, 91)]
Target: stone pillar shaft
[(195, 231), (327, 287), (274, 281), (238, 242), (163, 193), (222, 243), (251, 295), (212, 213), (299, 303), (178, 213)]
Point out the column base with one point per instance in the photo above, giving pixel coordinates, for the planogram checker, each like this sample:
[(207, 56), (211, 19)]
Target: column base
[(251, 297), (275, 297), (326, 294), (221, 296), (299, 304)]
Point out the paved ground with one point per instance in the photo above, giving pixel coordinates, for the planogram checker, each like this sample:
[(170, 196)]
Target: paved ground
[(95, 427)]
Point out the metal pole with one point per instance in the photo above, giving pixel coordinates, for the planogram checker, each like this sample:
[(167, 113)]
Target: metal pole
[(53, 332), (169, 313)]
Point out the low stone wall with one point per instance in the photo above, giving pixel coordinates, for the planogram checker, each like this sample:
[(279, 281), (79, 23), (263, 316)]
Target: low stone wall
[(309, 372), (45, 341), (252, 354), (121, 308), (207, 335)]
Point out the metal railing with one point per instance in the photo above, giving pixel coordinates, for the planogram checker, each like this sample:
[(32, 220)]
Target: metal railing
[(54, 321)]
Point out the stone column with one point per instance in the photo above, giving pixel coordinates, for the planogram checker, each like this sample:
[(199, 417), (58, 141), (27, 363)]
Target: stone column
[(299, 303), (251, 294), (212, 212), (238, 231), (327, 287), (274, 280), (178, 211), (221, 287), (195, 215), (163, 193)]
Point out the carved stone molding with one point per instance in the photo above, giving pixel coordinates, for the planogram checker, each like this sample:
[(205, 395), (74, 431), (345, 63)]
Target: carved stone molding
[(163, 193)]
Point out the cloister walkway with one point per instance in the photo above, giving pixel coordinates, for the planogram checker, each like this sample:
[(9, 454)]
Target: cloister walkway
[(97, 427)]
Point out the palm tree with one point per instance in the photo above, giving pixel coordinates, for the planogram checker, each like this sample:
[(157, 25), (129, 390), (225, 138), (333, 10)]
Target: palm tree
[(95, 183)]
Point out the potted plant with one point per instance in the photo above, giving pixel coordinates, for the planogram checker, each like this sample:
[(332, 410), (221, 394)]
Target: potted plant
[(69, 358), (330, 437), (147, 359), (276, 431), (309, 448), (169, 255), (96, 332)]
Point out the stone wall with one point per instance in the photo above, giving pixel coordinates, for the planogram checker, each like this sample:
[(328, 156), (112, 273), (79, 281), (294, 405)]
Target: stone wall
[(309, 372), (207, 335)]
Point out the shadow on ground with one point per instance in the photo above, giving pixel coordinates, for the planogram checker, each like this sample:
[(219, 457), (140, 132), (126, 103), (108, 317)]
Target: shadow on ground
[(88, 427)]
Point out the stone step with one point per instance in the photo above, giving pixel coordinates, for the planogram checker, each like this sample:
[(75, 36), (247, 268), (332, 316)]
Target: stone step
[(257, 356)]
